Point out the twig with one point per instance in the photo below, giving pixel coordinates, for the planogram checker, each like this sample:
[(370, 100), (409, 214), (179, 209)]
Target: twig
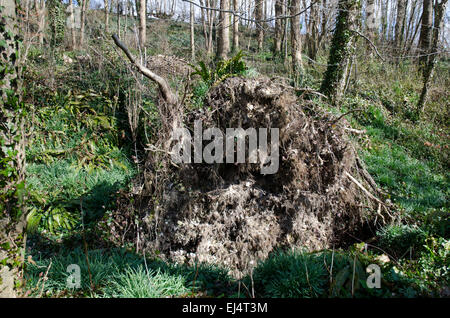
[(355, 131), (353, 277), (310, 90), (85, 245), (370, 195), (331, 269), (253, 283), (258, 22), (371, 43), (45, 278), (345, 114)]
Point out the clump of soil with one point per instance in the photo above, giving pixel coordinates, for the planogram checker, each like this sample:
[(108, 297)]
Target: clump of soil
[(169, 66), (231, 214)]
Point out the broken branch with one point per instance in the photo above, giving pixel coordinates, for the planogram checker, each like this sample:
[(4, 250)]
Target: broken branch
[(167, 94)]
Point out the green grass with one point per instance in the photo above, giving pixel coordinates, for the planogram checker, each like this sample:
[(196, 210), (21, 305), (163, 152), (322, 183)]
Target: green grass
[(291, 275), (140, 283), (285, 274), (76, 162), (409, 160), (119, 273), (402, 240), (411, 183)]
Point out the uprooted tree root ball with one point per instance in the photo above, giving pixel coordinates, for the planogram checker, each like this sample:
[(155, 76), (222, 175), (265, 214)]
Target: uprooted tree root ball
[(231, 214)]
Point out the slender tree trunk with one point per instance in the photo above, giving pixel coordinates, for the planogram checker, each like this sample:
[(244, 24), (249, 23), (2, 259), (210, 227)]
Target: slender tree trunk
[(409, 24), (40, 12), (126, 9), (223, 39), (296, 42), (400, 23), (429, 67), (142, 22), (323, 34), (313, 32), (204, 16), (425, 31), (286, 31), (72, 22), (371, 19), (106, 15), (119, 13), (191, 18), (235, 26), (259, 27), (278, 26), (384, 20), (84, 8), (335, 76), (211, 22), (413, 37)]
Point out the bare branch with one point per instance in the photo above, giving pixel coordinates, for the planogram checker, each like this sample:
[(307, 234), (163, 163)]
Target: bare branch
[(168, 96), (371, 43), (237, 14)]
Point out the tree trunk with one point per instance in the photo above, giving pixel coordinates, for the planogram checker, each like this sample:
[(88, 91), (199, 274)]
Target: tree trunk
[(223, 40), (370, 8), (106, 14), (400, 23), (235, 26), (72, 22), (313, 32), (408, 24), (425, 31), (119, 13), (40, 12), (340, 52), (286, 30), (84, 8), (429, 67), (142, 22), (384, 20), (278, 26), (12, 152), (296, 42), (204, 16), (323, 34), (259, 17), (210, 15), (414, 34), (191, 18)]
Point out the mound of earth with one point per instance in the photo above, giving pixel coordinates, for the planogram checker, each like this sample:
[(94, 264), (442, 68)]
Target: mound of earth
[(231, 214), (169, 66)]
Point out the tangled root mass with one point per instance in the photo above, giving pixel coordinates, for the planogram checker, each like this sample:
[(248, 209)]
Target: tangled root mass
[(230, 214)]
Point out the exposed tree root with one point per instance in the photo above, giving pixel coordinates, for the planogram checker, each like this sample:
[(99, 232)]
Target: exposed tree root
[(232, 215)]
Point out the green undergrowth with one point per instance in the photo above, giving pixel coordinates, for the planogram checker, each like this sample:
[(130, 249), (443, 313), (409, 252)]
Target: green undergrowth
[(407, 156), (118, 273), (407, 159), (285, 274), (78, 158), (75, 161)]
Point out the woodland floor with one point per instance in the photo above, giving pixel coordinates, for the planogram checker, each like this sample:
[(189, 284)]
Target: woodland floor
[(83, 157)]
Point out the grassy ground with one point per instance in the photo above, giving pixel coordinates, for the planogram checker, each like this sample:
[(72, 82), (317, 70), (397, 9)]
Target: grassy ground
[(81, 155)]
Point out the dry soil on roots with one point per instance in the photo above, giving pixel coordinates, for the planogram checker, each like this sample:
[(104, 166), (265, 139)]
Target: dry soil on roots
[(230, 214)]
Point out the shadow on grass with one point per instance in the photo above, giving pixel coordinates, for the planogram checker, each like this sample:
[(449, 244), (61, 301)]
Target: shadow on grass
[(120, 273)]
